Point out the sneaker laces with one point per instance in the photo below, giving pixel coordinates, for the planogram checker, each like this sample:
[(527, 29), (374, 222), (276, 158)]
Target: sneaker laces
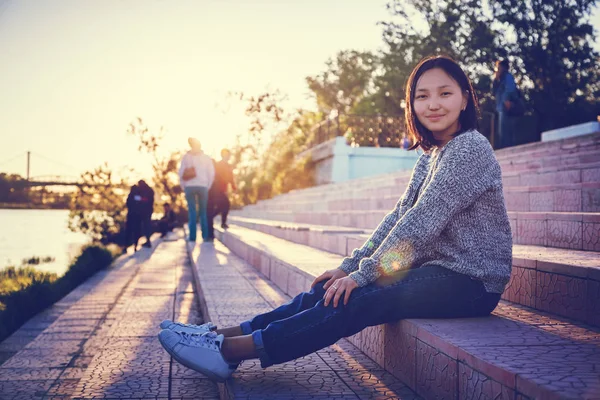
[(207, 339), (208, 324)]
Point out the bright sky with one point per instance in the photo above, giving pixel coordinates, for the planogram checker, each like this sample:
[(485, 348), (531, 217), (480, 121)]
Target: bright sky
[(74, 73)]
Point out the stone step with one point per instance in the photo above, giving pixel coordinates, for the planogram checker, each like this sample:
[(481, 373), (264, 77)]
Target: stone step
[(572, 197), (578, 173), (516, 353), (576, 197), (525, 159), (232, 291), (555, 148), (566, 230), (531, 162), (583, 177), (542, 277)]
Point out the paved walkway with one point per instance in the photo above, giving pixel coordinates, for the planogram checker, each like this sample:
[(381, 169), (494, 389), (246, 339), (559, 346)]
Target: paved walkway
[(100, 341)]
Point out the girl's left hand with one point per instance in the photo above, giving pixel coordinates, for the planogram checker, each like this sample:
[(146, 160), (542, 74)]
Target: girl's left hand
[(335, 291)]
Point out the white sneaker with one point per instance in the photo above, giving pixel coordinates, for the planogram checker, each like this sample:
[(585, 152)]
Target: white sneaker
[(200, 352), (187, 328)]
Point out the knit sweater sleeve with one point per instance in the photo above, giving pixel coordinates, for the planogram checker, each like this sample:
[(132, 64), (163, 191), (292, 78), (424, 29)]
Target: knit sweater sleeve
[(464, 172), (350, 264)]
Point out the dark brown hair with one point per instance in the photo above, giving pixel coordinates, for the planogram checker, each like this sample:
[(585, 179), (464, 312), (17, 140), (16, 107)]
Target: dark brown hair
[(468, 119)]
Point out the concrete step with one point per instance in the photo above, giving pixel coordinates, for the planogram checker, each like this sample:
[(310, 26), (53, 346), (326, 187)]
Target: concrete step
[(573, 188), (564, 282), (564, 230), (516, 353), (568, 197), (567, 230), (531, 162), (575, 197), (578, 173), (559, 147), (233, 291)]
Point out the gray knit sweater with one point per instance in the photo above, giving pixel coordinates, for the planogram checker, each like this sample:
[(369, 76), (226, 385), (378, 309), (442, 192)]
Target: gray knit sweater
[(452, 215)]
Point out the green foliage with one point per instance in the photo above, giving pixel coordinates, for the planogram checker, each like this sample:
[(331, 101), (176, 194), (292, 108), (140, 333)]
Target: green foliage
[(14, 279), (13, 189), (264, 172), (165, 179), (550, 44), (547, 41), (38, 260), (345, 83), (26, 291), (98, 207)]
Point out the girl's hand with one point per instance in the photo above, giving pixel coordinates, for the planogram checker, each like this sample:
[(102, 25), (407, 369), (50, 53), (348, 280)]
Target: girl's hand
[(335, 291), (332, 275)]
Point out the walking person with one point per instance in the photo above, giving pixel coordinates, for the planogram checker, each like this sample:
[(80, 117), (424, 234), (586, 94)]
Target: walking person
[(133, 223), (218, 200), (444, 251), (146, 209), (196, 175), (506, 93)]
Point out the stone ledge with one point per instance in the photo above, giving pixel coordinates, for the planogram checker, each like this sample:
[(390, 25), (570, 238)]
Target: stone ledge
[(588, 128), (550, 269)]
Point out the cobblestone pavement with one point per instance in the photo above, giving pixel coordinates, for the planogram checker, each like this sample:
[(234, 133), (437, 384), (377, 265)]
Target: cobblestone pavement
[(99, 342)]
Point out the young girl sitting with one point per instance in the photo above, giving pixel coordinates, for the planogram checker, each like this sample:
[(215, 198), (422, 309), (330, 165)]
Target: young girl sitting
[(445, 251)]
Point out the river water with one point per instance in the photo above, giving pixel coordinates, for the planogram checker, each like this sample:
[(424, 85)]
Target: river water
[(39, 233)]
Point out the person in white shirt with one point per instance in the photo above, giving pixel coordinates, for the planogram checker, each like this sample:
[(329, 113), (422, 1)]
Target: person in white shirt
[(196, 175)]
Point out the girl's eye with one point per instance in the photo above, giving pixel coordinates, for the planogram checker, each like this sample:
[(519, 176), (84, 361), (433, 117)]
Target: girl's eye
[(446, 93), (420, 96)]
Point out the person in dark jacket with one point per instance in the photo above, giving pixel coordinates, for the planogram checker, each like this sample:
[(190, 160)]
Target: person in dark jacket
[(146, 209), (218, 201), (504, 89), (133, 225)]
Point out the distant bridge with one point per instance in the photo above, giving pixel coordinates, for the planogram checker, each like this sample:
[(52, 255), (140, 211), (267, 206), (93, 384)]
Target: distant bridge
[(57, 180), (52, 180)]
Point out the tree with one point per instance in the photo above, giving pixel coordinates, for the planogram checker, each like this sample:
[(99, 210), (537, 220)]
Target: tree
[(13, 189), (98, 208), (265, 165), (462, 29), (165, 168), (550, 43), (346, 81)]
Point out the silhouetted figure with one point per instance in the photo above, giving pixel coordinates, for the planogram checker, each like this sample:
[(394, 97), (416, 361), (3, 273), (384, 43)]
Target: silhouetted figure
[(218, 201), (507, 101), (168, 222), (133, 226), (196, 175), (146, 208)]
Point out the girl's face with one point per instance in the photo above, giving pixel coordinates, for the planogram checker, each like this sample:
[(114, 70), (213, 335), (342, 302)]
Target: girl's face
[(438, 102)]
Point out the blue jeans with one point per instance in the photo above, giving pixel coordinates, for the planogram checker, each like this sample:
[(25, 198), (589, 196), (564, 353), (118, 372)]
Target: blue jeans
[(506, 128), (305, 325), (197, 199)]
